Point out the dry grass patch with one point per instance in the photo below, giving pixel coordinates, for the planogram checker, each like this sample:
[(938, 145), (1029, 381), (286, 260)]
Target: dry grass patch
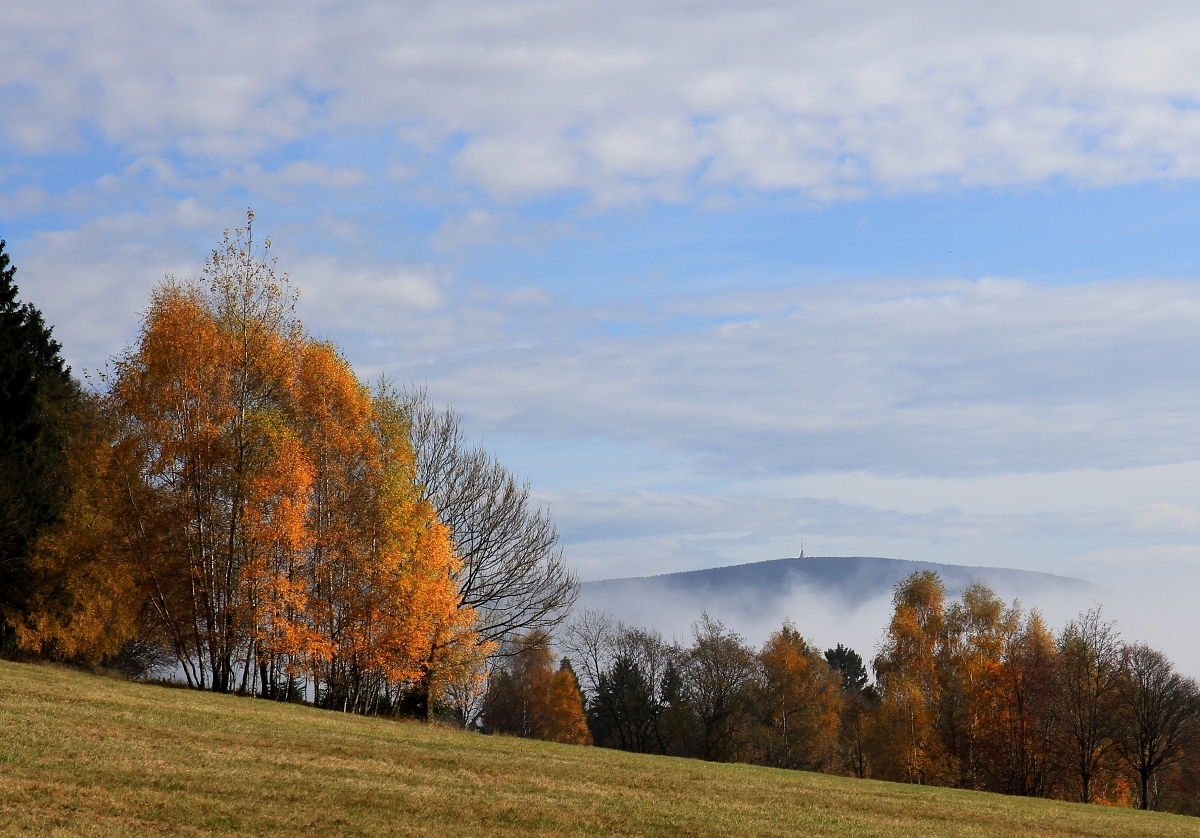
[(91, 756)]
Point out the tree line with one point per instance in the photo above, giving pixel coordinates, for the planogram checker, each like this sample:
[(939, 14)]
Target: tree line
[(230, 505), (971, 693)]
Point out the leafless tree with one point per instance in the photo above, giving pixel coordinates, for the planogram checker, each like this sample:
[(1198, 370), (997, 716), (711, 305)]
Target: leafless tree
[(631, 677), (512, 568), (1159, 709), (1089, 660), (589, 641), (852, 734), (718, 669), (466, 691)]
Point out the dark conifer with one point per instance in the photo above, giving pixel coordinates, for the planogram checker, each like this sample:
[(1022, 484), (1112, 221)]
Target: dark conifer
[(847, 663), (36, 395)]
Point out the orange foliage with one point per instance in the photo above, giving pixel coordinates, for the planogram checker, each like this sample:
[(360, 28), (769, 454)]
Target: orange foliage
[(270, 500), (966, 691), (1015, 698), (381, 563), (526, 697), (798, 703), (565, 720), (201, 402), (1114, 790)]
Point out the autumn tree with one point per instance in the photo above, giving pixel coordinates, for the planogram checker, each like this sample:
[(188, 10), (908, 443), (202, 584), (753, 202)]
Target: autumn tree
[(83, 601), (797, 701), (527, 697), (215, 480), (1016, 749), (906, 671), (1158, 710), (566, 720), (379, 563), (270, 500), (971, 692), (976, 630)]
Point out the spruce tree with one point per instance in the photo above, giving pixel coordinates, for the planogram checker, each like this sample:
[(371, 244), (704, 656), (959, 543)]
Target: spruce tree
[(37, 396)]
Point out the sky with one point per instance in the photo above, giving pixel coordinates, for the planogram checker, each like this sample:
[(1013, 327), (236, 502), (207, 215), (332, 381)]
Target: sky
[(911, 280)]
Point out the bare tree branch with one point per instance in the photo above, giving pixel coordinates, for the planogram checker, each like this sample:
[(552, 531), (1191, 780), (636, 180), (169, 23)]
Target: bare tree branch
[(1160, 710), (512, 569)]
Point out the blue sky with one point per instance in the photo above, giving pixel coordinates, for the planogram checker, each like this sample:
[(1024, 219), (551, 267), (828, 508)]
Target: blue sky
[(911, 281)]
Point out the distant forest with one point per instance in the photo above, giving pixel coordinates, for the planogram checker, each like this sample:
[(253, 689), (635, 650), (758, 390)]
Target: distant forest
[(227, 505), (970, 693)]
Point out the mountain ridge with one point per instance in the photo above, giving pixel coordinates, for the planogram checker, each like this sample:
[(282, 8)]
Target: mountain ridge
[(838, 596), (841, 559), (874, 573)]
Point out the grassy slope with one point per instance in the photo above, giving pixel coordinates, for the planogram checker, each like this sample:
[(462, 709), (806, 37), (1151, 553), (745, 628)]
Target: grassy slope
[(82, 755)]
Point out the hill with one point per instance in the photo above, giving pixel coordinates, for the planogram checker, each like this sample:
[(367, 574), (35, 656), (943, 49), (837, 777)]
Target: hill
[(836, 598), (82, 755)]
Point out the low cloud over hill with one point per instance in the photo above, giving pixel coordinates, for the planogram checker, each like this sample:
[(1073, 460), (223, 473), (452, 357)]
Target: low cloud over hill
[(830, 599)]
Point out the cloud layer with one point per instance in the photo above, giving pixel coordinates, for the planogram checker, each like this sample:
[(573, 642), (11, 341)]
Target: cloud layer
[(912, 378), (627, 102)]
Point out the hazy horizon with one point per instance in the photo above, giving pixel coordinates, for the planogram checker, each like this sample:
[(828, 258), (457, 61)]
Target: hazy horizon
[(856, 615)]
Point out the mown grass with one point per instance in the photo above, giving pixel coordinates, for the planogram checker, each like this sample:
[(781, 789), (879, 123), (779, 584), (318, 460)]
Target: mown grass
[(91, 756)]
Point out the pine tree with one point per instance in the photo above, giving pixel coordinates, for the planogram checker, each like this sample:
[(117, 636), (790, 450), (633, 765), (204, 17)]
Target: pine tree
[(36, 399)]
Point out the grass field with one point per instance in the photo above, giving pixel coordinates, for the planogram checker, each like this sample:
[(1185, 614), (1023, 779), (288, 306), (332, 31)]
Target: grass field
[(85, 755)]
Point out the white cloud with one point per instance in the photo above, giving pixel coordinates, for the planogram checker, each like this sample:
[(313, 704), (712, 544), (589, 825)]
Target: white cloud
[(338, 297), (92, 282), (308, 173), (636, 100), (29, 199), (992, 422), (903, 380), (477, 227)]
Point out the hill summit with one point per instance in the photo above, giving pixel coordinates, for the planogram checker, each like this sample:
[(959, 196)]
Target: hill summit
[(830, 596)]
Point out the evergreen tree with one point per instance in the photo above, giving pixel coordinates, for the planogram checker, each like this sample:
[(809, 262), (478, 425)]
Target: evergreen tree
[(37, 395), (847, 663)]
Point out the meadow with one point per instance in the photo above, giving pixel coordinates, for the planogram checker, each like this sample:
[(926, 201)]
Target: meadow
[(88, 755)]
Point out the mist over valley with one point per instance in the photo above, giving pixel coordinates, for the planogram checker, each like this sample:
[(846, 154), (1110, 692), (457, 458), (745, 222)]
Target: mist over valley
[(830, 599)]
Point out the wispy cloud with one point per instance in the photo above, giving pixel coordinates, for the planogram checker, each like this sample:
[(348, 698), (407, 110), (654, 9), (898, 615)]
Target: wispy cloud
[(938, 377)]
